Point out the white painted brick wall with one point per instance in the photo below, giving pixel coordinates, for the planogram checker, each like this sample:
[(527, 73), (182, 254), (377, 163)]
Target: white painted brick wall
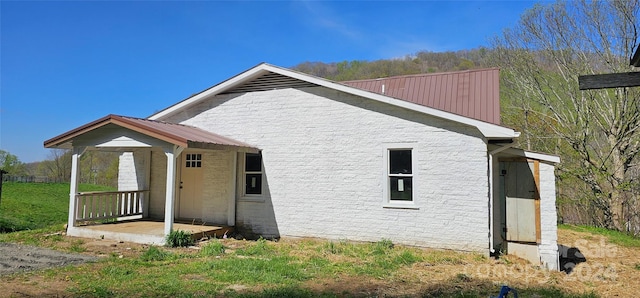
[(548, 247), (218, 182), (324, 168), (128, 172), (158, 188)]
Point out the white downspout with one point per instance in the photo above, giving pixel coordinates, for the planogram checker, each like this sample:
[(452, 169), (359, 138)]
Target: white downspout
[(491, 154)]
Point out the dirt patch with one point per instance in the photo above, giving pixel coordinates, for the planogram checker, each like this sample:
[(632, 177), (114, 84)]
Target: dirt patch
[(16, 258)]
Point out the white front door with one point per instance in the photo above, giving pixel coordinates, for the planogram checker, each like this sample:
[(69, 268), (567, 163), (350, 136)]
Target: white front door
[(191, 186)]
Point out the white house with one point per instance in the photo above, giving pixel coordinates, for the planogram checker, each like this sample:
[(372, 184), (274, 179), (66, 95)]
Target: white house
[(420, 160)]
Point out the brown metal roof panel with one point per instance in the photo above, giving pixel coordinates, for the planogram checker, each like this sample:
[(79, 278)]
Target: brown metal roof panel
[(188, 133), (177, 134), (422, 90), (470, 93), (450, 94)]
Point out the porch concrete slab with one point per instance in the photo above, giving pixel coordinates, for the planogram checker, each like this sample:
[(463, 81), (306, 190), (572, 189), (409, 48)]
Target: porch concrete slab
[(145, 231)]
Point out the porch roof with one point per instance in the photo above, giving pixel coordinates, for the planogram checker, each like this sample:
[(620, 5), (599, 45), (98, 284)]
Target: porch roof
[(177, 134)]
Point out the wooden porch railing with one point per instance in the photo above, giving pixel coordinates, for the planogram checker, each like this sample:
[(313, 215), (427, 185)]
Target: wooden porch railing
[(91, 206)]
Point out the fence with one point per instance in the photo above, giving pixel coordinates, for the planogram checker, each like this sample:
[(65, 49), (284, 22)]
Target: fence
[(31, 179)]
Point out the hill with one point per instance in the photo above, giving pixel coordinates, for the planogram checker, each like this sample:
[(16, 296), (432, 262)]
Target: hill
[(421, 62)]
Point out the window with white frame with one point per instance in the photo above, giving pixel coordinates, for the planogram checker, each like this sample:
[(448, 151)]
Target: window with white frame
[(252, 174), (399, 175)]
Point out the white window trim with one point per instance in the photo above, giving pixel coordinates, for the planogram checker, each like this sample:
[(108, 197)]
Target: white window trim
[(386, 200), (242, 179)]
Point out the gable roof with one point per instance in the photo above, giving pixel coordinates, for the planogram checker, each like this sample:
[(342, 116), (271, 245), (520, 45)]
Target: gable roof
[(176, 134), (268, 77), (471, 93)]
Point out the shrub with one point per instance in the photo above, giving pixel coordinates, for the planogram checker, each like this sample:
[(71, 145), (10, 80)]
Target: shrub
[(179, 238)]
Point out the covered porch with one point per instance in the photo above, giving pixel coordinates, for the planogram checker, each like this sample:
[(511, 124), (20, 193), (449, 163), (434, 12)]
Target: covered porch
[(164, 180)]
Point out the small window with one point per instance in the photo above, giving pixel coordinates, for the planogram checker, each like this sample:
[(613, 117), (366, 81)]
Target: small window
[(253, 174), (400, 175), (193, 160)]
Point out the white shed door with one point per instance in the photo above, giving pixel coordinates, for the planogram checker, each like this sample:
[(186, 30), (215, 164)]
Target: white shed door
[(522, 201), (191, 186)]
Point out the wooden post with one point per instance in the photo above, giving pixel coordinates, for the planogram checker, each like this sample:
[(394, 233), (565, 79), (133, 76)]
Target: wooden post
[(2, 172)]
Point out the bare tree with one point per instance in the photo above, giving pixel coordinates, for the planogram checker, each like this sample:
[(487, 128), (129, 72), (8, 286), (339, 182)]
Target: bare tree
[(596, 132), (58, 165)]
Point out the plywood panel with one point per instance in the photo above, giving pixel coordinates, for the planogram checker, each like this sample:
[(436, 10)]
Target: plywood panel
[(521, 219), (521, 191)]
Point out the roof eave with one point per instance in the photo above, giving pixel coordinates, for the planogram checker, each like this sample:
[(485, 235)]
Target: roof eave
[(489, 130), (61, 139), (534, 155)]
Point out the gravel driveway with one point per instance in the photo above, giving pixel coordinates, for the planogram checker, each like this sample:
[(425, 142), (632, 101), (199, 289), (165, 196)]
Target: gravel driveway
[(16, 258)]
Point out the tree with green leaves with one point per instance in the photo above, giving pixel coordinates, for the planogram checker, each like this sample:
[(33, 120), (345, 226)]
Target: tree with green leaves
[(597, 132), (11, 164)]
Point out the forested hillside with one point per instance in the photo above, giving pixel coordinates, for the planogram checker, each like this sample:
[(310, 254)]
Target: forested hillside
[(421, 62), (596, 133)]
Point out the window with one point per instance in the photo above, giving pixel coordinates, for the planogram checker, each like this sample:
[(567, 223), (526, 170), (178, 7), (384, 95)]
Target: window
[(253, 174), (193, 161), (399, 175)]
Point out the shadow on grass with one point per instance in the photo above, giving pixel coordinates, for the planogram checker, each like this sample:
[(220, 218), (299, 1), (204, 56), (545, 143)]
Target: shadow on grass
[(460, 286)]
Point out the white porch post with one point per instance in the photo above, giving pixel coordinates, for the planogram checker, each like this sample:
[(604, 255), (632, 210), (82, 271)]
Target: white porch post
[(231, 215), (147, 184), (73, 189), (169, 208)]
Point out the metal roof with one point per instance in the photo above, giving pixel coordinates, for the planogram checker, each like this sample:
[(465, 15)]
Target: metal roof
[(471, 93), (490, 129), (177, 134)]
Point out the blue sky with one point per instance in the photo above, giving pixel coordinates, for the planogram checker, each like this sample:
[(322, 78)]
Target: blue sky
[(64, 64)]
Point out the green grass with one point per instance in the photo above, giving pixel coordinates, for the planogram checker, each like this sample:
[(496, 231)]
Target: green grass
[(269, 269), (259, 268), (28, 206), (616, 237), (155, 254), (213, 248)]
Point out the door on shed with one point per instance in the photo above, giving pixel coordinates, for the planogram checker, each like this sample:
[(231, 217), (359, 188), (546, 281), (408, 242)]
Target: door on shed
[(522, 201), (191, 186)]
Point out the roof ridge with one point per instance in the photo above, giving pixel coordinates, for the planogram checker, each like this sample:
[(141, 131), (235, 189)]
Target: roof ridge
[(423, 74), (156, 121)]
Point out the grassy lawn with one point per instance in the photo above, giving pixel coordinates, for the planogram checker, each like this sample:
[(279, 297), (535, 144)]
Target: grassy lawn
[(287, 268), (616, 237), (28, 206)]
